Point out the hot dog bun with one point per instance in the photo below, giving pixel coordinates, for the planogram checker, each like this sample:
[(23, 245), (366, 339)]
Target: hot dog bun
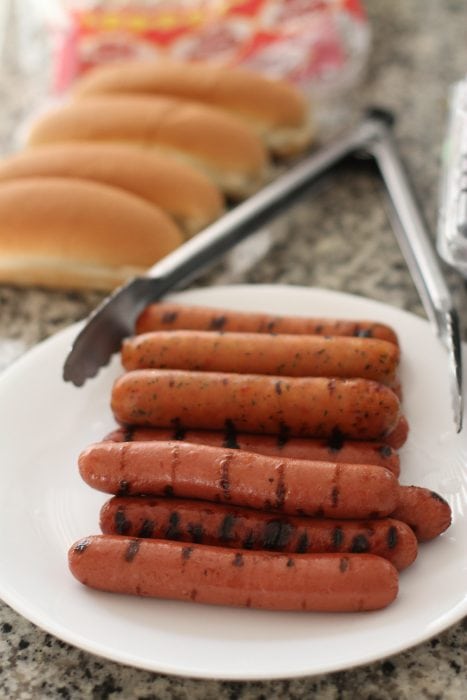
[(274, 107), (63, 233), (219, 143), (180, 190)]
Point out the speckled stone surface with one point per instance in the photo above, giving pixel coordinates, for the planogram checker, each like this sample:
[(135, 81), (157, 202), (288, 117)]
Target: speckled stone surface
[(338, 238)]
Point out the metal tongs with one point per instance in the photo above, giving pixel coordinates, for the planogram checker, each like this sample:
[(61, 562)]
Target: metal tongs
[(115, 318)]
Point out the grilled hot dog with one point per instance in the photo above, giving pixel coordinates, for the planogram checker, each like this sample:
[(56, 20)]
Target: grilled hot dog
[(397, 437), (333, 450), (168, 316), (296, 406), (425, 511), (257, 353), (221, 576), (296, 487), (230, 526)]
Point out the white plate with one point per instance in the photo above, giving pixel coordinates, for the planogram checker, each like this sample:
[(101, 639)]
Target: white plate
[(44, 507)]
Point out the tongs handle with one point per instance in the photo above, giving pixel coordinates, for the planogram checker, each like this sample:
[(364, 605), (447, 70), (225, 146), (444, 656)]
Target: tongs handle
[(409, 227), (114, 319), (414, 240), (186, 262)]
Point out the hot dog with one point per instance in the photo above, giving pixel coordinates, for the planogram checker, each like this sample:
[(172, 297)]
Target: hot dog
[(229, 526), (425, 511), (168, 316), (397, 437), (221, 576), (296, 406), (295, 487), (257, 353), (337, 450)]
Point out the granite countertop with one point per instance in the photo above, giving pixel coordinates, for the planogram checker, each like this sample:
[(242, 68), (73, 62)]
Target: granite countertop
[(336, 238)]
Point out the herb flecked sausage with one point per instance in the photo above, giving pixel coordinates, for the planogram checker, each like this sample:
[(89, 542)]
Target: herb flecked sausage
[(229, 526), (296, 487), (168, 316), (256, 353), (332, 450), (296, 406), (221, 576)]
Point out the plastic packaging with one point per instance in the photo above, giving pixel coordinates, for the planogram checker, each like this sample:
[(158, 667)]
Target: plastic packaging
[(452, 223), (320, 45)]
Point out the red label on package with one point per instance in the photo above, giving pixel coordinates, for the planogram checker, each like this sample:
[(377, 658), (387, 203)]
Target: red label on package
[(300, 40)]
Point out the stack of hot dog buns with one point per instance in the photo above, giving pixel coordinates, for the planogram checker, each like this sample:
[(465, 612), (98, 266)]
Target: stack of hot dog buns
[(61, 233), (182, 192), (274, 109), (256, 465), (219, 144), (161, 143)]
